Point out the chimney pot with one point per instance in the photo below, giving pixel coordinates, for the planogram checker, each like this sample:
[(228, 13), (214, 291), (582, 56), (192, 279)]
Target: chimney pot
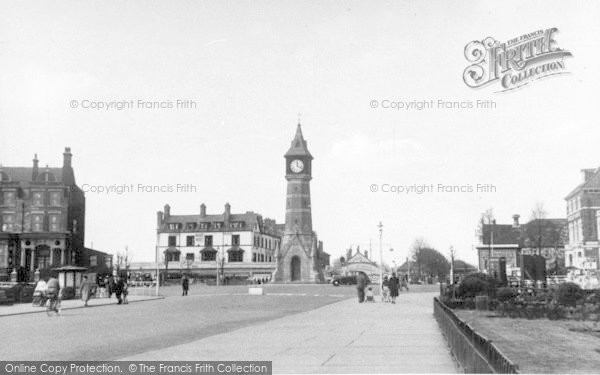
[(202, 210), (516, 220)]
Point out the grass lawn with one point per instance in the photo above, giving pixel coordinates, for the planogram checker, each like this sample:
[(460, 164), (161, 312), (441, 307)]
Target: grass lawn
[(541, 345)]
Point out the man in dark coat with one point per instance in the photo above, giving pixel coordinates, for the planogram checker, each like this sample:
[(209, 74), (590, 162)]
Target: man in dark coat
[(110, 285), (185, 285), (393, 285), (118, 289), (361, 283)]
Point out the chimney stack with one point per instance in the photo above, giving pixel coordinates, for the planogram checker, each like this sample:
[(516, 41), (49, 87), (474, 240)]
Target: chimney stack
[(516, 220), (587, 174), (159, 219), (68, 177), (167, 211), (202, 210), (67, 157), (227, 214), (34, 174)]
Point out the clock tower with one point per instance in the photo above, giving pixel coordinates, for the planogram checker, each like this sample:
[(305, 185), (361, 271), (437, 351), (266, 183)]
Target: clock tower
[(298, 256)]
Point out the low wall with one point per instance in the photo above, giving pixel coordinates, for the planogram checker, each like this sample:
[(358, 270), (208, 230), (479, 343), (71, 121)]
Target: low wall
[(475, 353)]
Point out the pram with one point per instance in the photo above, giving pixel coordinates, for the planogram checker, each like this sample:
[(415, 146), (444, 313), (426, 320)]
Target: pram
[(385, 296), (39, 299)]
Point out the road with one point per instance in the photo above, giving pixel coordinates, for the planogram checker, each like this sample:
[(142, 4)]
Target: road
[(116, 331)]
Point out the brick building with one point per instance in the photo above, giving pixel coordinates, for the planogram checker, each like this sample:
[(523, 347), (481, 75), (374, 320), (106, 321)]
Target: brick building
[(583, 216), (42, 220), (546, 237)]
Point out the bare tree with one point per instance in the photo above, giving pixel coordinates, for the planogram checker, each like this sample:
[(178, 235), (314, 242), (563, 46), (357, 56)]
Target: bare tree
[(415, 250), (536, 236)]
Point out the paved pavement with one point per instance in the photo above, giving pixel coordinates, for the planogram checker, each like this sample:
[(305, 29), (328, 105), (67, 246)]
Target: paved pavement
[(343, 337), (28, 308)]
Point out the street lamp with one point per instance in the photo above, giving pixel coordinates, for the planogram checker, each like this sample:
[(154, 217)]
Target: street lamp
[(380, 226)]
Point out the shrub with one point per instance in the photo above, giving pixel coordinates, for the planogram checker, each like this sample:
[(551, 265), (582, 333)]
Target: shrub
[(569, 294), (477, 284), (505, 294)]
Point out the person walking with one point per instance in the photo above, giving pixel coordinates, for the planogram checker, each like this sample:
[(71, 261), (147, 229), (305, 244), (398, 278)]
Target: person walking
[(361, 283), (110, 285), (393, 283), (404, 283), (84, 290), (185, 285), (118, 289)]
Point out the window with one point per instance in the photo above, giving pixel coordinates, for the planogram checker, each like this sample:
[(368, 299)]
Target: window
[(7, 223), (175, 226), (237, 224), (54, 223), (204, 225), (37, 223), (570, 260), (189, 257), (172, 241), (189, 241), (235, 239), (254, 257), (55, 198), (218, 225), (208, 255), (191, 226), (208, 241), (37, 198), (236, 256), (8, 198), (93, 260)]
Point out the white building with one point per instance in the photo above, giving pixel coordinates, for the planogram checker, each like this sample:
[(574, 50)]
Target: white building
[(237, 246)]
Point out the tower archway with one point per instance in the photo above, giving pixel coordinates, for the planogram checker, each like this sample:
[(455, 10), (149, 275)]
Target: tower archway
[(295, 268)]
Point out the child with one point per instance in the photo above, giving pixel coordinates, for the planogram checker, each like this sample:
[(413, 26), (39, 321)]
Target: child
[(369, 295)]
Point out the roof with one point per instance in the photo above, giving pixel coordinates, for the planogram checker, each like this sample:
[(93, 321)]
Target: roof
[(25, 174), (552, 232), (359, 258), (299, 146), (504, 234), (592, 182)]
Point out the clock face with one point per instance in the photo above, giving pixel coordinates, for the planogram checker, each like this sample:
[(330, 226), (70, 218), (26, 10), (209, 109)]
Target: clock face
[(297, 166)]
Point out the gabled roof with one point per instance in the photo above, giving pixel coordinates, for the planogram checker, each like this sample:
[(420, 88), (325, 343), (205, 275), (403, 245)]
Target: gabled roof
[(298, 147), (359, 258), (592, 182)]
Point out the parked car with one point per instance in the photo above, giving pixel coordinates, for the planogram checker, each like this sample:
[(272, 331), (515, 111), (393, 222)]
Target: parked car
[(346, 280)]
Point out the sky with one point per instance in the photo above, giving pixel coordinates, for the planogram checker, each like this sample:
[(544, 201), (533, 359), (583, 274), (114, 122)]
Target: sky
[(251, 67)]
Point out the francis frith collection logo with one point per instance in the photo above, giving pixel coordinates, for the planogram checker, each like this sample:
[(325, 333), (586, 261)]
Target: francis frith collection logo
[(514, 63)]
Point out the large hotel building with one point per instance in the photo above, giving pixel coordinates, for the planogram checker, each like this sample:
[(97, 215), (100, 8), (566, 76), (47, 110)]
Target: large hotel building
[(234, 245)]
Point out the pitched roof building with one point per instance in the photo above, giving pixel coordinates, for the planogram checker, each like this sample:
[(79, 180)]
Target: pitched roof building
[(546, 237)]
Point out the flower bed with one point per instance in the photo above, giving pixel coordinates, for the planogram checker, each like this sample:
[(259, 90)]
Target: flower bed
[(568, 301)]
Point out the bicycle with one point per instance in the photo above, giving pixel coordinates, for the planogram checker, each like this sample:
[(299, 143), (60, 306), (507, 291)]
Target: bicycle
[(53, 305)]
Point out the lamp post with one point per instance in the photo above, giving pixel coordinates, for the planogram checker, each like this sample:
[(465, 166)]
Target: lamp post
[(157, 260), (380, 226)]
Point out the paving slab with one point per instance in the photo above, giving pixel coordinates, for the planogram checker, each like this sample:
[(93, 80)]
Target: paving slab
[(343, 337)]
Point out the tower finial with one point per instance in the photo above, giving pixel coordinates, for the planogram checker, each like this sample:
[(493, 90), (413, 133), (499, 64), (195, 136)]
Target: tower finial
[(299, 118)]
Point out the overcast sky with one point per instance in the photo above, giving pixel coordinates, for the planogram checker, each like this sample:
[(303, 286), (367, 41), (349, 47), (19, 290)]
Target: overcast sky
[(252, 66)]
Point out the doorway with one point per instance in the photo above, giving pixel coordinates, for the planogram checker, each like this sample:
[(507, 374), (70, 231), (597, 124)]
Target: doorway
[(295, 268)]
